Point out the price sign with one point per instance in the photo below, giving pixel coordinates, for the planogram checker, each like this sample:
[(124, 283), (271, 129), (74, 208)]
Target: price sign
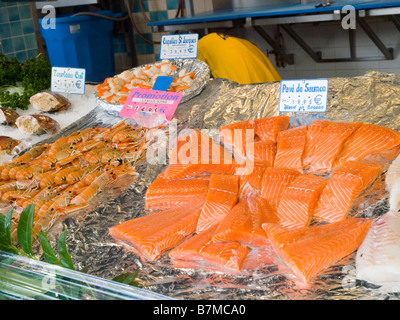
[(179, 46), (151, 102), (309, 95), (68, 80)]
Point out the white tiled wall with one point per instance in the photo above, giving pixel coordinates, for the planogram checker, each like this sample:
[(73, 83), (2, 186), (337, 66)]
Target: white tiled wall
[(332, 41)]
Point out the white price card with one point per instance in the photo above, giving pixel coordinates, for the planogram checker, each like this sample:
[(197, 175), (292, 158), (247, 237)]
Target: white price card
[(179, 46), (307, 95), (68, 80)]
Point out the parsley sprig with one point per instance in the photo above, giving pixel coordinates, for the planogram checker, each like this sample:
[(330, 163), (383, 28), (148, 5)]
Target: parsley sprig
[(33, 76)]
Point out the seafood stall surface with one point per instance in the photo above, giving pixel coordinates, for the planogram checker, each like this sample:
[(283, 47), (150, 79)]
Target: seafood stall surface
[(197, 267)]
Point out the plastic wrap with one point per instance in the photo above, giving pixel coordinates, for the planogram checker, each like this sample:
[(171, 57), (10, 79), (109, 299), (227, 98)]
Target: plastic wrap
[(372, 98), (28, 279)]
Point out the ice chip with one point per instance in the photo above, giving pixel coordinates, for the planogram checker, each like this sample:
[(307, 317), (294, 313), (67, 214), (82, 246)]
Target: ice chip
[(149, 119)]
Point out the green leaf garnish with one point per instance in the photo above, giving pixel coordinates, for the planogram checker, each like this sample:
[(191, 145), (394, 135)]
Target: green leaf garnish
[(65, 258), (48, 252), (24, 229), (127, 278)]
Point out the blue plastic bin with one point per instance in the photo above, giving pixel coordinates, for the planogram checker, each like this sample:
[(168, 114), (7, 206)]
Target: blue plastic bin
[(82, 41)]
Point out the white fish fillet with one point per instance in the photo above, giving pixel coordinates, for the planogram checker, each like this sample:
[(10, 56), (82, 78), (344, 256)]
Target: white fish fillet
[(393, 173), (394, 197), (392, 181), (378, 257)]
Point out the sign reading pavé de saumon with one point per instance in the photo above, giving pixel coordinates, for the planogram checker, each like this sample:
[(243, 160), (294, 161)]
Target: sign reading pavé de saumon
[(309, 95)]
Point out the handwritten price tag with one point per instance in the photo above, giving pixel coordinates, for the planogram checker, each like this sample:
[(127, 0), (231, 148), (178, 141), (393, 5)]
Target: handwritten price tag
[(308, 95), (151, 102), (68, 80)]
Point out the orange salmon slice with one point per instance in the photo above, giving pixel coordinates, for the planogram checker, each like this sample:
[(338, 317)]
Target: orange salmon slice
[(221, 197), (256, 260), (197, 154), (314, 133), (297, 203), (235, 136), (243, 222), (201, 248), (307, 251), (368, 139), (346, 183), (251, 174), (176, 193), (262, 152), (290, 148), (155, 233), (274, 182), (330, 144), (268, 128)]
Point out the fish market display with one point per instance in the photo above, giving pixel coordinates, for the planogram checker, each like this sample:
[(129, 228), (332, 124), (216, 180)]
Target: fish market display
[(116, 89), (65, 176), (49, 102), (299, 207), (37, 123)]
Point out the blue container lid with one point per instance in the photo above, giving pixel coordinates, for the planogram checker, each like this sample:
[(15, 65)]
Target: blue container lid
[(69, 17)]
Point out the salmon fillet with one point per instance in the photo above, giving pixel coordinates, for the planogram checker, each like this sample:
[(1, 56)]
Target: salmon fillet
[(262, 152), (198, 154), (201, 248), (163, 194), (243, 222), (221, 197), (256, 259), (290, 148), (268, 128), (314, 133), (346, 183), (307, 251), (250, 174), (236, 136), (155, 233), (274, 182), (370, 138), (330, 144), (297, 203)]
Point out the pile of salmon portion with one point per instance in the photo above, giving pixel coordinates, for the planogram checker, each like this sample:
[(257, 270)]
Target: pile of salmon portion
[(264, 186)]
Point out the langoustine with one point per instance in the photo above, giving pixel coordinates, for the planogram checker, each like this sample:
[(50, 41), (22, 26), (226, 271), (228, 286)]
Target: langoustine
[(61, 180)]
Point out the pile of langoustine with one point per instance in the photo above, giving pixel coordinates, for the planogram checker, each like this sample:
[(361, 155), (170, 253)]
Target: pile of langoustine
[(63, 177), (293, 196)]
